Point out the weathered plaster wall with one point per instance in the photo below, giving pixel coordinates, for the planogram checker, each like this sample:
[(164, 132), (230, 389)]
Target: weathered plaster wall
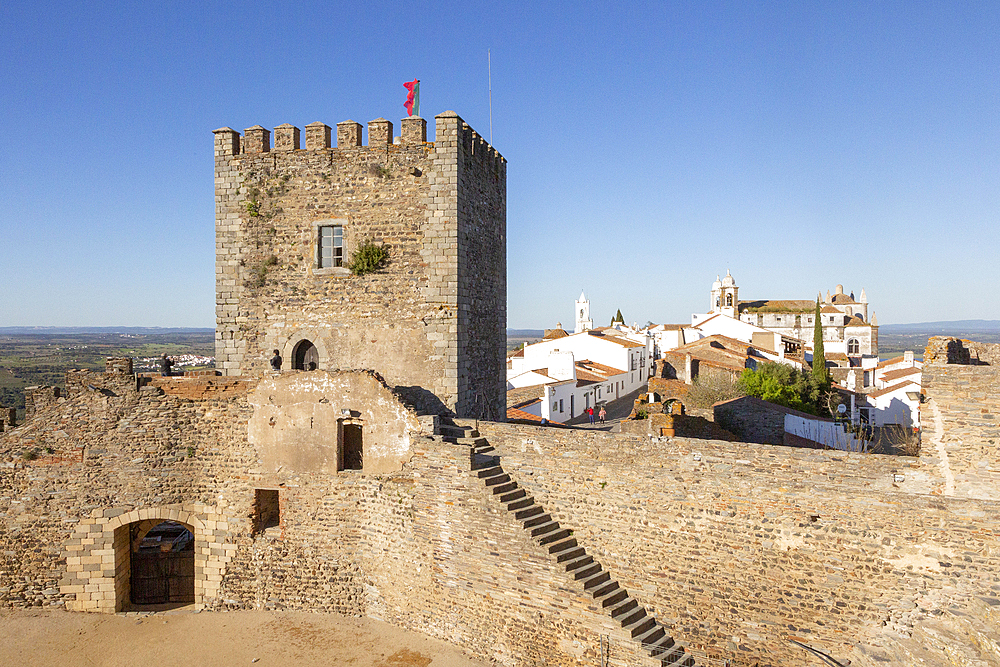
[(298, 419)]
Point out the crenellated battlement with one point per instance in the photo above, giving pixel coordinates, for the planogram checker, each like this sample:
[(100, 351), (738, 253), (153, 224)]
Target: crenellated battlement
[(350, 136)]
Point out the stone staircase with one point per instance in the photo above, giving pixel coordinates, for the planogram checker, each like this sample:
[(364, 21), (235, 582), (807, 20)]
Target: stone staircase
[(563, 548)]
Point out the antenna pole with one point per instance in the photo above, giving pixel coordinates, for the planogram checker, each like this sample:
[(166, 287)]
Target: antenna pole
[(489, 65)]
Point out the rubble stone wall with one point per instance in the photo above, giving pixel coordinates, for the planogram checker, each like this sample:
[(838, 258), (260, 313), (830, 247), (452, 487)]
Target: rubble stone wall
[(426, 545), (737, 546), (960, 431)]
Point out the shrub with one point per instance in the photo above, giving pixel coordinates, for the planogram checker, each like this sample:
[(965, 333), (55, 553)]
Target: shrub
[(785, 385), (708, 389), (368, 258)]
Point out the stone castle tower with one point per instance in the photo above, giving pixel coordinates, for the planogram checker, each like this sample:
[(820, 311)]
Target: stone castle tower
[(431, 321)]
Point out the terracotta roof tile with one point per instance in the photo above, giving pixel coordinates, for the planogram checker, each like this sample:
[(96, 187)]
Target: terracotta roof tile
[(889, 390), (900, 372), (519, 415)]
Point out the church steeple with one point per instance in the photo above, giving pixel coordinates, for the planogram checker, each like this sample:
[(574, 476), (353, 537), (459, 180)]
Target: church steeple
[(583, 321)]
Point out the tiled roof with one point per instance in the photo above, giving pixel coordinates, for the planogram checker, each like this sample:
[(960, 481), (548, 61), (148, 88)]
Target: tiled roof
[(900, 372), (857, 322), (521, 394), (520, 415), (587, 364), (889, 390), (889, 362), (842, 298), (618, 340), (552, 334), (831, 310), (519, 352)]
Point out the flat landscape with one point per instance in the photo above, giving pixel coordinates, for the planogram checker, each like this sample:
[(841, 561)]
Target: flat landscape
[(41, 638), (42, 357)]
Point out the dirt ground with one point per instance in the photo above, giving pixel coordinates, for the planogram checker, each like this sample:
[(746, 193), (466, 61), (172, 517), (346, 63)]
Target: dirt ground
[(185, 639)]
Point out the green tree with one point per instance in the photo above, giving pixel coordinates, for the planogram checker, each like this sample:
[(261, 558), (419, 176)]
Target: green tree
[(819, 357), (618, 318), (784, 385)]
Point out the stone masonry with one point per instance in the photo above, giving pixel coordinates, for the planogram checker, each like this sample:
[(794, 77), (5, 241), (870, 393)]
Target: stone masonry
[(432, 321)]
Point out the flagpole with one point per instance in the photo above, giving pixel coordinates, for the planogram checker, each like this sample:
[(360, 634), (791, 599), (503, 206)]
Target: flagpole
[(489, 65)]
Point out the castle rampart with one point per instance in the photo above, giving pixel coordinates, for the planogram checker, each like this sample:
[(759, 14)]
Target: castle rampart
[(958, 416), (432, 320), (732, 546)]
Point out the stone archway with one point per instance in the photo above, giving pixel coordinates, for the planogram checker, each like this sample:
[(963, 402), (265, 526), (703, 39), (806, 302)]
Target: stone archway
[(129, 530), (298, 345), (161, 563)]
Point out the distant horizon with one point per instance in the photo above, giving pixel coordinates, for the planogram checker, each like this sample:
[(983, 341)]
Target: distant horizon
[(988, 325)]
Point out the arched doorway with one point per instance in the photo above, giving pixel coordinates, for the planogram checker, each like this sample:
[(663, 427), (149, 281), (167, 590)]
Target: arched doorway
[(161, 563), (305, 357)]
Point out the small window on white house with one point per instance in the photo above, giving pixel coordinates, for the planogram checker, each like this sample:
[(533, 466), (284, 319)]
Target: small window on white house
[(853, 347), (560, 405), (331, 246)]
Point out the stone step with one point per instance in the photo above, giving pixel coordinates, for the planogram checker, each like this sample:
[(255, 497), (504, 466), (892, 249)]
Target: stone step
[(523, 504), (579, 562), (452, 431), (662, 647), (504, 488), (489, 472), (640, 626), (512, 496), (568, 554), (562, 546), (529, 512), (493, 480), (632, 616), (596, 580), (626, 606), (610, 595), (560, 534), (546, 527), (675, 658), (587, 571), (650, 637), (536, 520)]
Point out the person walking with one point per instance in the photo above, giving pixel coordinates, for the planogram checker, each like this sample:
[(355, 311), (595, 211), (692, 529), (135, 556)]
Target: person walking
[(602, 414), (590, 414)]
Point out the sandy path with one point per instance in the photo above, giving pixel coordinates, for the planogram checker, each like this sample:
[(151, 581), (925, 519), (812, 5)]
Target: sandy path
[(274, 639)]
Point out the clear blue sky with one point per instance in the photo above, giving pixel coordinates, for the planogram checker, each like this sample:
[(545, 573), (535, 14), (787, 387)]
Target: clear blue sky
[(650, 146)]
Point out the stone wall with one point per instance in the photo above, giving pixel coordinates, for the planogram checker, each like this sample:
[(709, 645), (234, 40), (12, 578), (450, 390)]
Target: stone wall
[(733, 546), (423, 544), (960, 434), (432, 321), (752, 420), (737, 547)]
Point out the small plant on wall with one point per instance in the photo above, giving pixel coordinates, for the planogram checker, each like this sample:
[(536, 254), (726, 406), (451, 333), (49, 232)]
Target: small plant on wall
[(368, 258)]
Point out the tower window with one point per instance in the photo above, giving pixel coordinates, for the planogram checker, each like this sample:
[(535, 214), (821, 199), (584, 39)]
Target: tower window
[(331, 246), (729, 300), (853, 347)]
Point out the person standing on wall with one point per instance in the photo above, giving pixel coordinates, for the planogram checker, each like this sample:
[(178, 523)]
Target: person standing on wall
[(165, 364), (276, 361)]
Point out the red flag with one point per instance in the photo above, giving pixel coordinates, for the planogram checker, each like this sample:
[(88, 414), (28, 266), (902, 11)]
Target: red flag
[(413, 97)]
